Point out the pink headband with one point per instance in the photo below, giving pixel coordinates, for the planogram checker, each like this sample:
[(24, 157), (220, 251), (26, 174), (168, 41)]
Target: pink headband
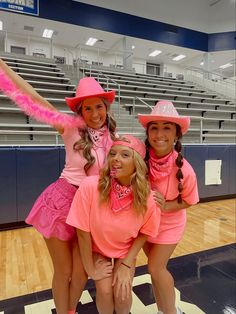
[(132, 142)]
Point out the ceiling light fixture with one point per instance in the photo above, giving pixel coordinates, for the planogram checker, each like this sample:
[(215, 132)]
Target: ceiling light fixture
[(133, 47), (179, 57), (155, 53), (1, 26), (91, 41), (47, 33), (227, 65)]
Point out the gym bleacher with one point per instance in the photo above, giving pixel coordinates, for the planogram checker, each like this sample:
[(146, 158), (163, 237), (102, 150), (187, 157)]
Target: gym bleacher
[(212, 117)]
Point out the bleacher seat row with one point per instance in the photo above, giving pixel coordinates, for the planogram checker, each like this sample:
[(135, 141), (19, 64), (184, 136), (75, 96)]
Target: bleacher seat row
[(213, 118)]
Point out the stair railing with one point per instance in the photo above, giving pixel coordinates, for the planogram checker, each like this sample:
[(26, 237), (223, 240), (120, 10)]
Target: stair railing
[(212, 81)]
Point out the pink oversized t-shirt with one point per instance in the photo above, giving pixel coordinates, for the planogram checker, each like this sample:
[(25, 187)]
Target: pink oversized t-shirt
[(73, 170), (112, 232)]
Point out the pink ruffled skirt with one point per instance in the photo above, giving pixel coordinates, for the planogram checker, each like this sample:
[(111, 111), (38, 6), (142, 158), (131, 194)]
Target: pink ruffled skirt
[(50, 211)]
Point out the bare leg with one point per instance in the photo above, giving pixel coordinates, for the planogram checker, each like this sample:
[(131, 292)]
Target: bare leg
[(147, 247), (124, 306), (78, 278), (61, 255), (104, 296), (162, 280), (104, 291)]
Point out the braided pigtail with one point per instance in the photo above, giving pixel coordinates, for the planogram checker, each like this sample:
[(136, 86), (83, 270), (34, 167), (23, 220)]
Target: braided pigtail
[(147, 144), (179, 163), (147, 156)]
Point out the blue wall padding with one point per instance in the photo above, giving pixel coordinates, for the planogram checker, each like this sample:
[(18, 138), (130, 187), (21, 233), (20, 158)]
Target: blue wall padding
[(36, 169), (8, 207), (227, 153), (25, 172), (62, 158), (232, 169), (196, 156)]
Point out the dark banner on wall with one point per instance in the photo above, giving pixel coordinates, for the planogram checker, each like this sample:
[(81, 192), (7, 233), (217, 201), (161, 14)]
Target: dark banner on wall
[(21, 6)]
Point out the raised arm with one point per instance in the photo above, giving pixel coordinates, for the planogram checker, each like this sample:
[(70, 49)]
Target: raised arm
[(27, 89)]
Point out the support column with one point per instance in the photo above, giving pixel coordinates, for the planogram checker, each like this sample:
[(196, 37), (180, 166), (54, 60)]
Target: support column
[(127, 53)]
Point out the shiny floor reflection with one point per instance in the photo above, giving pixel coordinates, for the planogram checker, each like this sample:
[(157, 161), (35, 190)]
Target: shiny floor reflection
[(205, 283)]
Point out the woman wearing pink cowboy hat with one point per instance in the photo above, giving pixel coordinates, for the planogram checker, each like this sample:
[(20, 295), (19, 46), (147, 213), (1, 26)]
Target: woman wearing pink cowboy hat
[(114, 213), (86, 148), (174, 181)]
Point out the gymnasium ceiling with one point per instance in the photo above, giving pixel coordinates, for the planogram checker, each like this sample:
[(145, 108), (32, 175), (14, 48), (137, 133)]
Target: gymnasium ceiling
[(75, 36)]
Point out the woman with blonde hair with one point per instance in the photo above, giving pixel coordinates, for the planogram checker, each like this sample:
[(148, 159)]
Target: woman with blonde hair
[(114, 213)]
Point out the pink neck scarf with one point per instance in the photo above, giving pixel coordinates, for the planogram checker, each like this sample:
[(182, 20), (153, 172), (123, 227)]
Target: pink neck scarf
[(100, 138), (160, 167), (121, 196)]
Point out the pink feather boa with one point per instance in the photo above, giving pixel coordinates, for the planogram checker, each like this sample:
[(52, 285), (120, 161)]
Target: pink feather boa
[(34, 109)]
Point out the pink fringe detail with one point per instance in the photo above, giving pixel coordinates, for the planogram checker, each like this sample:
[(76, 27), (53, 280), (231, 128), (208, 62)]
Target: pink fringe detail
[(34, 109)]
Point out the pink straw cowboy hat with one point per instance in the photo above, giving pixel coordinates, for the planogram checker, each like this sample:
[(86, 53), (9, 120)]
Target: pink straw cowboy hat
[(88, 87), (131, 142), (164, 110)]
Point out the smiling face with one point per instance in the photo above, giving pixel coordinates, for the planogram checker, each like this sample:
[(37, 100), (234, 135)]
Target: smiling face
[(93, 111), (161, 137), (121, 163)]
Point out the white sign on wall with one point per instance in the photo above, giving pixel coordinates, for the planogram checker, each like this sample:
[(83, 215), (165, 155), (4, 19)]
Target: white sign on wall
[(213, 172)]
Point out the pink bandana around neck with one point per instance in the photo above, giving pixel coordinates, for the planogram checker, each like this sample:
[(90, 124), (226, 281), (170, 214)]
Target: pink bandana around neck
[(121, 196), (160, 167), (101, 138)]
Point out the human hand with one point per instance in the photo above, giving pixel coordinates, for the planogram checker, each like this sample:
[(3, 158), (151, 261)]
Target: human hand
[(123, 282), (102, 269), (160, 200)]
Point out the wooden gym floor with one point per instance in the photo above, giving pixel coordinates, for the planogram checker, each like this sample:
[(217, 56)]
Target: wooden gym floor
[(25, 265)]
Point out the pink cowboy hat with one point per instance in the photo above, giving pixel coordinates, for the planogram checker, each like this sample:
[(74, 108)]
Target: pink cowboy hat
[(164, 110), (88, 87), (131, 142)]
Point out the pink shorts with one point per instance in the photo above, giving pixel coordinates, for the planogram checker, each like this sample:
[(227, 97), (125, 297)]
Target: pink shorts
[(50, 211), (171, 228)]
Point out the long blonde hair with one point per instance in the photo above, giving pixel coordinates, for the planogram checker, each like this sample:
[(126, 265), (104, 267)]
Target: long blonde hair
[(139, 183), (85, 143)]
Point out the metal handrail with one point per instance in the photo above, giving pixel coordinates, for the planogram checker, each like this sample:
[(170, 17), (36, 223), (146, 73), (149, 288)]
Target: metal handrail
[(146, 104), (133, 107), (212, 81), (209, 74)]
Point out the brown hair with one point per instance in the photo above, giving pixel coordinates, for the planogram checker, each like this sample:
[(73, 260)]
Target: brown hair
[(85, 143), (178, 161)]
